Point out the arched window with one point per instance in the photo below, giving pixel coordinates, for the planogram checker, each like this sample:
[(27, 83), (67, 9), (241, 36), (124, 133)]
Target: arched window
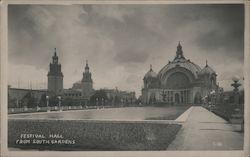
[(177, 80)]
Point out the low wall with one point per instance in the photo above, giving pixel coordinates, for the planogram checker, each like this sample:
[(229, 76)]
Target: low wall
[(89, 135), (56, 108)]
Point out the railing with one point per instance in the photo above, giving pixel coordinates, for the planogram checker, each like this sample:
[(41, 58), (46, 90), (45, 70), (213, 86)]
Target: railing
[(62, 108)]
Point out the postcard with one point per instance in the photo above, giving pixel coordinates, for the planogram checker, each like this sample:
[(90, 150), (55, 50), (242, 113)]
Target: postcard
[(124, 78)]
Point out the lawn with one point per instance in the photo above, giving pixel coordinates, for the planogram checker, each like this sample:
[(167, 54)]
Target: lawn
[(90, 135)]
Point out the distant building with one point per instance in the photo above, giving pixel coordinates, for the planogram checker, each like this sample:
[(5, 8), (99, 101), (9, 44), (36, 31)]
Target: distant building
[(16, 96), (121, 97), (179, 82), (55, 76), (77, 85), (80, 93), (81, 90)]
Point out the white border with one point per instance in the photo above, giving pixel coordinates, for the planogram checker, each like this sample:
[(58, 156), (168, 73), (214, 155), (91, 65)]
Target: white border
[(247, 80), (4, 72)]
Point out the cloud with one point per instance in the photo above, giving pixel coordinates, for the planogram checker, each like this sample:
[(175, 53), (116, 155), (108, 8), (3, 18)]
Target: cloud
[(129, 56), (22, 75), (115, 12), (121, 41)]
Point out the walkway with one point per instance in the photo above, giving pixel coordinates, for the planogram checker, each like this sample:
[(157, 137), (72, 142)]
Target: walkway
[(203, 130)]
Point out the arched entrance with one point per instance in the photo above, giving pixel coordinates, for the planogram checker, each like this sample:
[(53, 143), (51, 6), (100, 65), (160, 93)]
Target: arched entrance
[(177, 98)]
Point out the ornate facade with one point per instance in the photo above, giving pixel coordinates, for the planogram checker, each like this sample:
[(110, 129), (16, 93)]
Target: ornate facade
[(179, 82)]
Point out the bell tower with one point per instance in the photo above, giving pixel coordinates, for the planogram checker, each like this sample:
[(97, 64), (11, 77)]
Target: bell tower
[(55, 76), (87, 82)]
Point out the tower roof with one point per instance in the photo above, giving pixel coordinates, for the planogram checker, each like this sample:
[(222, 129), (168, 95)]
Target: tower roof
[(86, 74), (55, 55), (207, 70), (179, 52), (55, 52), (150, 73), (55, 58), (55, 66), (87, 65)]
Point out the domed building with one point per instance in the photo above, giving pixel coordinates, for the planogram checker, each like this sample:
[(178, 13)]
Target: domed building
[(179, 82)]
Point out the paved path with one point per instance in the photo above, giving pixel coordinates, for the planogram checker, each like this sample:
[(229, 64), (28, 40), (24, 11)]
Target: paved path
[(184, 116), (203, 130)]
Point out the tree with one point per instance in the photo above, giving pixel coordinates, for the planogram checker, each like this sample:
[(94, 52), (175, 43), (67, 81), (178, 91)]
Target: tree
[(117, 100), (110, 100), (43, 101), (67, 101), (29, 100), (12, 102), (53, 101)]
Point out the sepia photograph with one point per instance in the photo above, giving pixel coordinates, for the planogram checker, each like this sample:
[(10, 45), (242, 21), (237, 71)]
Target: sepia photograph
[(125, 77)]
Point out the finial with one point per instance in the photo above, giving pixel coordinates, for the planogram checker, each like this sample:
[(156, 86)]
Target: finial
[(55, 52), (179, 52), (179, 46), (86, 66), (150, 67), (206, 63)]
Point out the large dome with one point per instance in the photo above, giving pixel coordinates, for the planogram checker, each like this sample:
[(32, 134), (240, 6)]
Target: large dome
[(186, 64), (181, 62)]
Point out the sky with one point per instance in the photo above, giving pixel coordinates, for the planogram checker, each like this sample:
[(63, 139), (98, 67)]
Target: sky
[(121, 41)]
